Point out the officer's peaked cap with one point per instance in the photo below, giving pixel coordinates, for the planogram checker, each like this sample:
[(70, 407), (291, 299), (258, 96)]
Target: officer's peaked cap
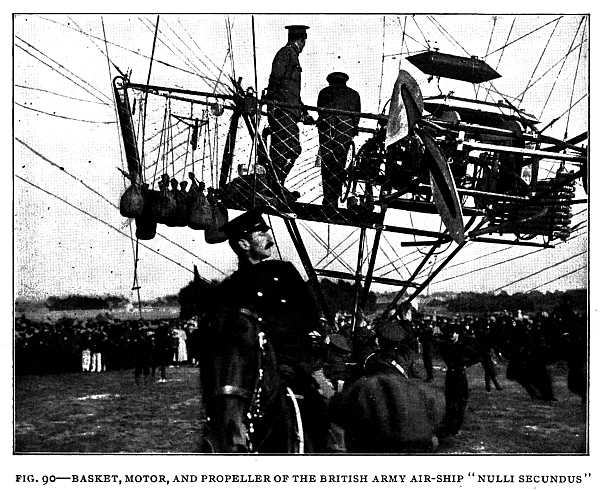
[(337, 77), (246, 223), (297, 31), (391, 333)]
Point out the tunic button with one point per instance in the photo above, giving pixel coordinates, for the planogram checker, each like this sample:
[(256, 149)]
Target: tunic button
[(275, 278), (260, 294), (260, 319), (283, 300)]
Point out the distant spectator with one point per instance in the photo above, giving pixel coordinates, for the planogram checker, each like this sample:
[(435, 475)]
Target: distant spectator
[(181, 354), (163, 350)]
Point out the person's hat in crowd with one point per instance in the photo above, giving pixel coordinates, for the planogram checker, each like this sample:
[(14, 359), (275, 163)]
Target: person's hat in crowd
[(246, 223), (391, 333), (337, 78), (297, 31)]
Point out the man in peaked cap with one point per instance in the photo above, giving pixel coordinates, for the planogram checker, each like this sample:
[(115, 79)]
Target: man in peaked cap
[(284, 88), (283, 304), (395, 352), (336, 132)]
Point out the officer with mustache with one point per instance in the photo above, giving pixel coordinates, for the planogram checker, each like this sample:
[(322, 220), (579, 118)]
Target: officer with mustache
[(283, 304), (272, 289)]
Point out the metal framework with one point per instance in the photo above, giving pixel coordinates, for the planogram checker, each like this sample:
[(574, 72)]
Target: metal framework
[(243, 103)]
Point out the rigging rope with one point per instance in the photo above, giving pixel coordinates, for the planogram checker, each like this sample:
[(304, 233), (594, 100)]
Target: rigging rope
[(101, 221), (146, 93), (324, 244), (541, 270), (63, 68), (487, 50), (63, 117), (538, 62), (524, 35), (422, 34), (104, 198), (502, 53), (63, 75), (382, 65), (230, 44), (208, 70), (230, 89), (556, 279), (445, 33), (549, 70), (562, 115), (61, 95), (169, 65), (104, 53), (160, 145), (180, 55), (574, 80), (514, 258), (134, 244), (339, 244), (561, 68)]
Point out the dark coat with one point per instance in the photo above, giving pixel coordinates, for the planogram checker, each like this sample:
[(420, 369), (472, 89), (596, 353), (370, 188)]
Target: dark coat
[(388, 413), (285, 79), (339, 96), (277, 294)]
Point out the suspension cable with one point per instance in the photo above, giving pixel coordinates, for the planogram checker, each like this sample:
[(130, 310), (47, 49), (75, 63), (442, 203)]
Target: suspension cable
[(539, 61), (147, 84), (101, 221), (104, 198), (561, 68), (541, 270), (524, 35), (487, 49), (421, 31), (63, 75), (105, 52), (502, 53), (134, 243), (556, 279), (574, 80), (382, 66), (169, 65)]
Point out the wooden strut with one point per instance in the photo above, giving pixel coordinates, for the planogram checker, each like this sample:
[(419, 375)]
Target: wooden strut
[(342, 275), (134, 167), (525, 151), (449, 258), (369, 276), (229, 149), (357, 276), (417, 270), (292, 227)]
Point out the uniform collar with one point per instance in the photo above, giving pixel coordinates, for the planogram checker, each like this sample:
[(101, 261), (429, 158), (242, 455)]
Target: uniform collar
[(293, 45)]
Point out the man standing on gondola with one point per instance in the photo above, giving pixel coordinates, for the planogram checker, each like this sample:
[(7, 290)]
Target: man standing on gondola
[(287, 110), (336, 132)]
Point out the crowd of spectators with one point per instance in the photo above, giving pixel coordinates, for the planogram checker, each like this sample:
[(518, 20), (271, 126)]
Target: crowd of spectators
[(101, 343)]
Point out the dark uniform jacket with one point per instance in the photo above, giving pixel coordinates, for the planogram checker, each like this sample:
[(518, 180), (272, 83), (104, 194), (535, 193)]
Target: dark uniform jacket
[(285, 79), (339, 96), (277, 294)]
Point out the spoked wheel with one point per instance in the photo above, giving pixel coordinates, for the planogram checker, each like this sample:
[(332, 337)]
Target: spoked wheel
[(295, 428)]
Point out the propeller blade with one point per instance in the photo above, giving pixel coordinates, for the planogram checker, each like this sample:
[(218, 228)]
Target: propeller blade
[(443, 188), (406, 108), (414, 113)]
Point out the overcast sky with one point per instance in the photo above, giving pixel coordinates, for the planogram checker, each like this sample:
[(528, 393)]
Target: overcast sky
[(60, 250)]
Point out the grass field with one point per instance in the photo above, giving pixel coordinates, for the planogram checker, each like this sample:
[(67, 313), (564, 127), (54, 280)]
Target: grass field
[(108, 413)]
